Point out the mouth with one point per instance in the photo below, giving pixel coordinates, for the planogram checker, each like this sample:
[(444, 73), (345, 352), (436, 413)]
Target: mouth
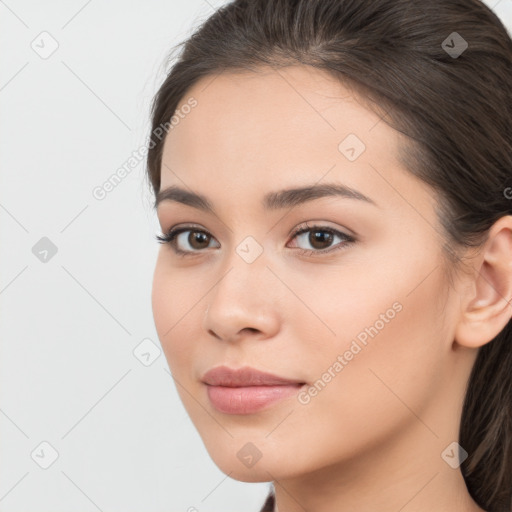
[(249, 399), (247, 390), (245, 376)]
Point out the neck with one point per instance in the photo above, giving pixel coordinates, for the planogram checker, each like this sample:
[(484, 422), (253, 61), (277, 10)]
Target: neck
[(407, 474)]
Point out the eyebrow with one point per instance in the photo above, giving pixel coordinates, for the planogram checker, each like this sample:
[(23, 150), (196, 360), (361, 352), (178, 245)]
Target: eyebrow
[(272, 201)]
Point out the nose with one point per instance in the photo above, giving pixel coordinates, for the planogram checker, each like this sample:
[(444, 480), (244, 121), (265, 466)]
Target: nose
[(244, 302)]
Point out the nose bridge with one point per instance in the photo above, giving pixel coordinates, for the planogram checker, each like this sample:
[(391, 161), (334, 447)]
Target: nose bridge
[(242, 297), (246, 270)]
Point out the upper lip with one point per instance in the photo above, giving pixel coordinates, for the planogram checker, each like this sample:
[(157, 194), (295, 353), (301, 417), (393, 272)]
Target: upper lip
[(246, 376)]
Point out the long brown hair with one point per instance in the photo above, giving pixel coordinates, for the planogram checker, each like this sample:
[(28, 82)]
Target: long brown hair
[(440, 72)]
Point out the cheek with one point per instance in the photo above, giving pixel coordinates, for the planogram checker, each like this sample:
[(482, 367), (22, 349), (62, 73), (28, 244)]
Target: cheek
[(172, 304), (162, 302), (388, 330), (381, 321)]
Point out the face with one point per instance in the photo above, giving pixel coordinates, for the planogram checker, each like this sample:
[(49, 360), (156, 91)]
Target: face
[(354, 309)]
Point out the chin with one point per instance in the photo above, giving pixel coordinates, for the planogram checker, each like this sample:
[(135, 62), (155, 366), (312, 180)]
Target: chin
[(265, 469), (250, 476)]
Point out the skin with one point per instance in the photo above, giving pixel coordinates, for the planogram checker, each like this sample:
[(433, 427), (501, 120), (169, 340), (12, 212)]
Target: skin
[(374, 435)]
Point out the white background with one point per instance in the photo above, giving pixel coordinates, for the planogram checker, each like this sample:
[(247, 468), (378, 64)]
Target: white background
[(69, 325)]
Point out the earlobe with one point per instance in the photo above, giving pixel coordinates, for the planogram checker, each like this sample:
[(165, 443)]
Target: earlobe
[(487, 306)]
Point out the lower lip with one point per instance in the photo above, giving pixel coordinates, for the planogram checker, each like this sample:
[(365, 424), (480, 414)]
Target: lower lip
[(250, 399)]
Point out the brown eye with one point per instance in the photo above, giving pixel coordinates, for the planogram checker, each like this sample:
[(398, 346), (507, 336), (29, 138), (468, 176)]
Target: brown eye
[(181, 243), (198, 239), (321, 238)]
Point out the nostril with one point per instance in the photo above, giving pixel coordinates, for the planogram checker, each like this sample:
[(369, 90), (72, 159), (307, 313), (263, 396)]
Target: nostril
[(252, 329)]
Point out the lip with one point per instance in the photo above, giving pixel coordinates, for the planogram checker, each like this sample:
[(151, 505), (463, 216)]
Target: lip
[(242, 377), (246, 390)]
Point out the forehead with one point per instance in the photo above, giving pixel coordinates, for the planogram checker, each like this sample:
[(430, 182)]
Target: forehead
[(271, 108), (255, 131)]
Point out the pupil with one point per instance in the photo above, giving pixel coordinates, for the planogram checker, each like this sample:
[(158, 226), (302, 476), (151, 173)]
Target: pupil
[(326, 239), (196, 236)]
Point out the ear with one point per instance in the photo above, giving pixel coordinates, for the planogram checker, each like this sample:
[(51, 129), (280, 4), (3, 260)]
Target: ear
[(487, 302)]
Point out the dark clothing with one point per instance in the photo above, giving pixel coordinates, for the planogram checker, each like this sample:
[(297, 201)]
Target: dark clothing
[(269, 504)]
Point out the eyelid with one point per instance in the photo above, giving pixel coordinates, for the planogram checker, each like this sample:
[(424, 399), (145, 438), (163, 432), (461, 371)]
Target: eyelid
[(320, 225)]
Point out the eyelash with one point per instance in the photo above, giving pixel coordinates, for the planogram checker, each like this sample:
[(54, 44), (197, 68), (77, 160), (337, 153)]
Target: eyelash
[(170, 238)]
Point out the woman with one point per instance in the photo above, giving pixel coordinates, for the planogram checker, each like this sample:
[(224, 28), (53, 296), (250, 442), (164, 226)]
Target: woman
[(333, 180)]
